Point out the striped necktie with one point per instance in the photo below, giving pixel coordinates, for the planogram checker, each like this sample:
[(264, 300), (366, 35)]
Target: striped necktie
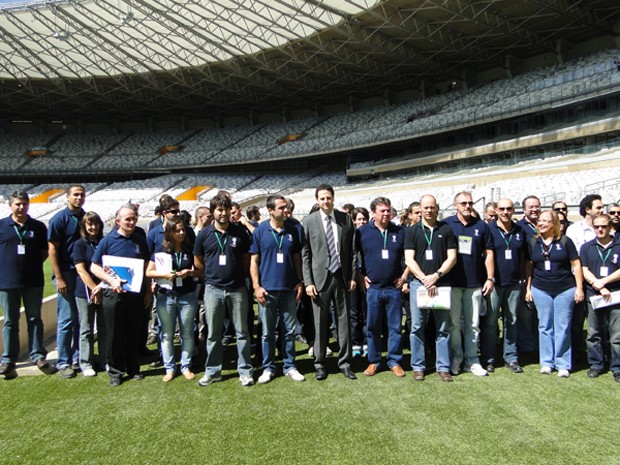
[(334, 259)]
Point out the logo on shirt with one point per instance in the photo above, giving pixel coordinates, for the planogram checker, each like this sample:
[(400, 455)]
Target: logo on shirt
[(137, 249), (476, 233), (558, 246), (30, 234), (614, 260), (394, 238), (289, 237), (439, 236), (517, 237), (233, 242)]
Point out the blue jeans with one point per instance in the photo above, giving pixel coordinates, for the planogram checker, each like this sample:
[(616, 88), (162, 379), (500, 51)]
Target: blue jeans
[(173, 307), (384, 302), (554, 323), (87, 313), (599, 321), (68, 331), (507, 298), (280, 305), (10, 302), (216, 302), (466, 303), (419, 317)]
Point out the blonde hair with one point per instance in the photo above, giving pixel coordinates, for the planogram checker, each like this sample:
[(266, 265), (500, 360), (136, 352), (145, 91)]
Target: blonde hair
[(556, 227)]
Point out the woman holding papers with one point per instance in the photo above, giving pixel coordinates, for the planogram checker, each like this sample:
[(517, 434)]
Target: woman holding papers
[(555, 283), (88, 295), (172, 264)]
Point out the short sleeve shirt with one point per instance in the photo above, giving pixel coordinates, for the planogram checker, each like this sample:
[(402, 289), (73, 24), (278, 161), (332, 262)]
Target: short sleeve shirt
[(183, 260), (381, 252), (431, 247), (473, 239), (64, 229), (83, 252), (556, 276), (223, 255), (277, 250), (22, 269), (601, 261), (510, 251)]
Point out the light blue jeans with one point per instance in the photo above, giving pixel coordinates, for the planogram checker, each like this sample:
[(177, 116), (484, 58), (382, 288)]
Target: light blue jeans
[(466, 303), (419, 317), (508, 299), (87, 313), (554, 322), (171, 308), (67, 332), (217, 301), (10, 300), (280, 305)]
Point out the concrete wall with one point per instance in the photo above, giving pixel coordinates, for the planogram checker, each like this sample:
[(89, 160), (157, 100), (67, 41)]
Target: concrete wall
[(50, 318)]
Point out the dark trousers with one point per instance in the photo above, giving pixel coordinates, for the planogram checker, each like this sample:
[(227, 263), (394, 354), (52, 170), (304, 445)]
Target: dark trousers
[(123, 313), (335, 291)]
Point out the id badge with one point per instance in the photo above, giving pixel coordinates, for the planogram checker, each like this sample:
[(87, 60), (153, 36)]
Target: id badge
[(604, 271), (385, 254), (280, 258), (429, 254), (508, 254), (465, 243), (178, 282), (21, 249), (222, 260), (547, 265)]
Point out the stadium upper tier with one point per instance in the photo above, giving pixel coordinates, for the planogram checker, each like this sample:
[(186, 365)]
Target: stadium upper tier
[(543, 88)]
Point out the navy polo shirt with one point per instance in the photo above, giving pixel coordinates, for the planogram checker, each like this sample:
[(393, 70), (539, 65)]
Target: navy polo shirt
[(508, 272), (267, 242), (441, 239), (118, 245), (83, 252), (155, 236), (560, 277), (183, 260), (154, 223), (372, 244), (594, 256), (298, 227), (64, 229), (469, 270), (236, 243), (25, 270), (529, 228)]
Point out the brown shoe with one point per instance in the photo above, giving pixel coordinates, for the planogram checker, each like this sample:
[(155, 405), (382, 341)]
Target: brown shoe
[(418, 375), (169, 376), (371, 370), (189, 375), (398, 371), (445, 376)]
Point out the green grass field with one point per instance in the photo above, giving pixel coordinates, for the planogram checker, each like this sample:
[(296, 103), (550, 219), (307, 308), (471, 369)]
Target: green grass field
[(505, 418)]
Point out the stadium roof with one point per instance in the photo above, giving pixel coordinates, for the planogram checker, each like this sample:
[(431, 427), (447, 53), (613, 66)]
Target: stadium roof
[(116, 59)]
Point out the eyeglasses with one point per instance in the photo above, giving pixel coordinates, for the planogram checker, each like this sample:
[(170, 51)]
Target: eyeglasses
[(614, 212), (174, 212), (600, 226), (464, 204), (560, 209), (504, 209)]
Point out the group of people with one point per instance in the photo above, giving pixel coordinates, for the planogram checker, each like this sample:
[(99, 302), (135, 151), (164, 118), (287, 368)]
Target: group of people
[(353, 274)]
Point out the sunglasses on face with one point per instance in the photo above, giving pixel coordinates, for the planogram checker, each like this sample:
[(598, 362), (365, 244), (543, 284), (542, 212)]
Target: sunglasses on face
[(465, 204), (174, 212), (600, 226), (615, 212), (504, 209), (560, 209)]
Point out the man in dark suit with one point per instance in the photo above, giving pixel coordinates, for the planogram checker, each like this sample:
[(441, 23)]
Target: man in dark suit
[(328, 269)]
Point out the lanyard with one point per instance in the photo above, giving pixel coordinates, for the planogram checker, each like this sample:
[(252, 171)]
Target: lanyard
[(21, 236), (533, 228), (384, 234), (220, 243), (178, 258), (279, 244), (504, 237), (601, 255), (428, 241)]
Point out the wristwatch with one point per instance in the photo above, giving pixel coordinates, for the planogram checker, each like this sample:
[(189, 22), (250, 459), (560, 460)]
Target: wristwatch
[(491, 279), (440, 274)]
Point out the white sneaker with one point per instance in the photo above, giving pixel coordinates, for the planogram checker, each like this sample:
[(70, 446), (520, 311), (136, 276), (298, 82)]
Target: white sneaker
[(563, 373), (311, 352), (208, 379), (328, 352), (246, 380), (546, 370), (294, 375), (89, 373), (266, 377), (477, 370)]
